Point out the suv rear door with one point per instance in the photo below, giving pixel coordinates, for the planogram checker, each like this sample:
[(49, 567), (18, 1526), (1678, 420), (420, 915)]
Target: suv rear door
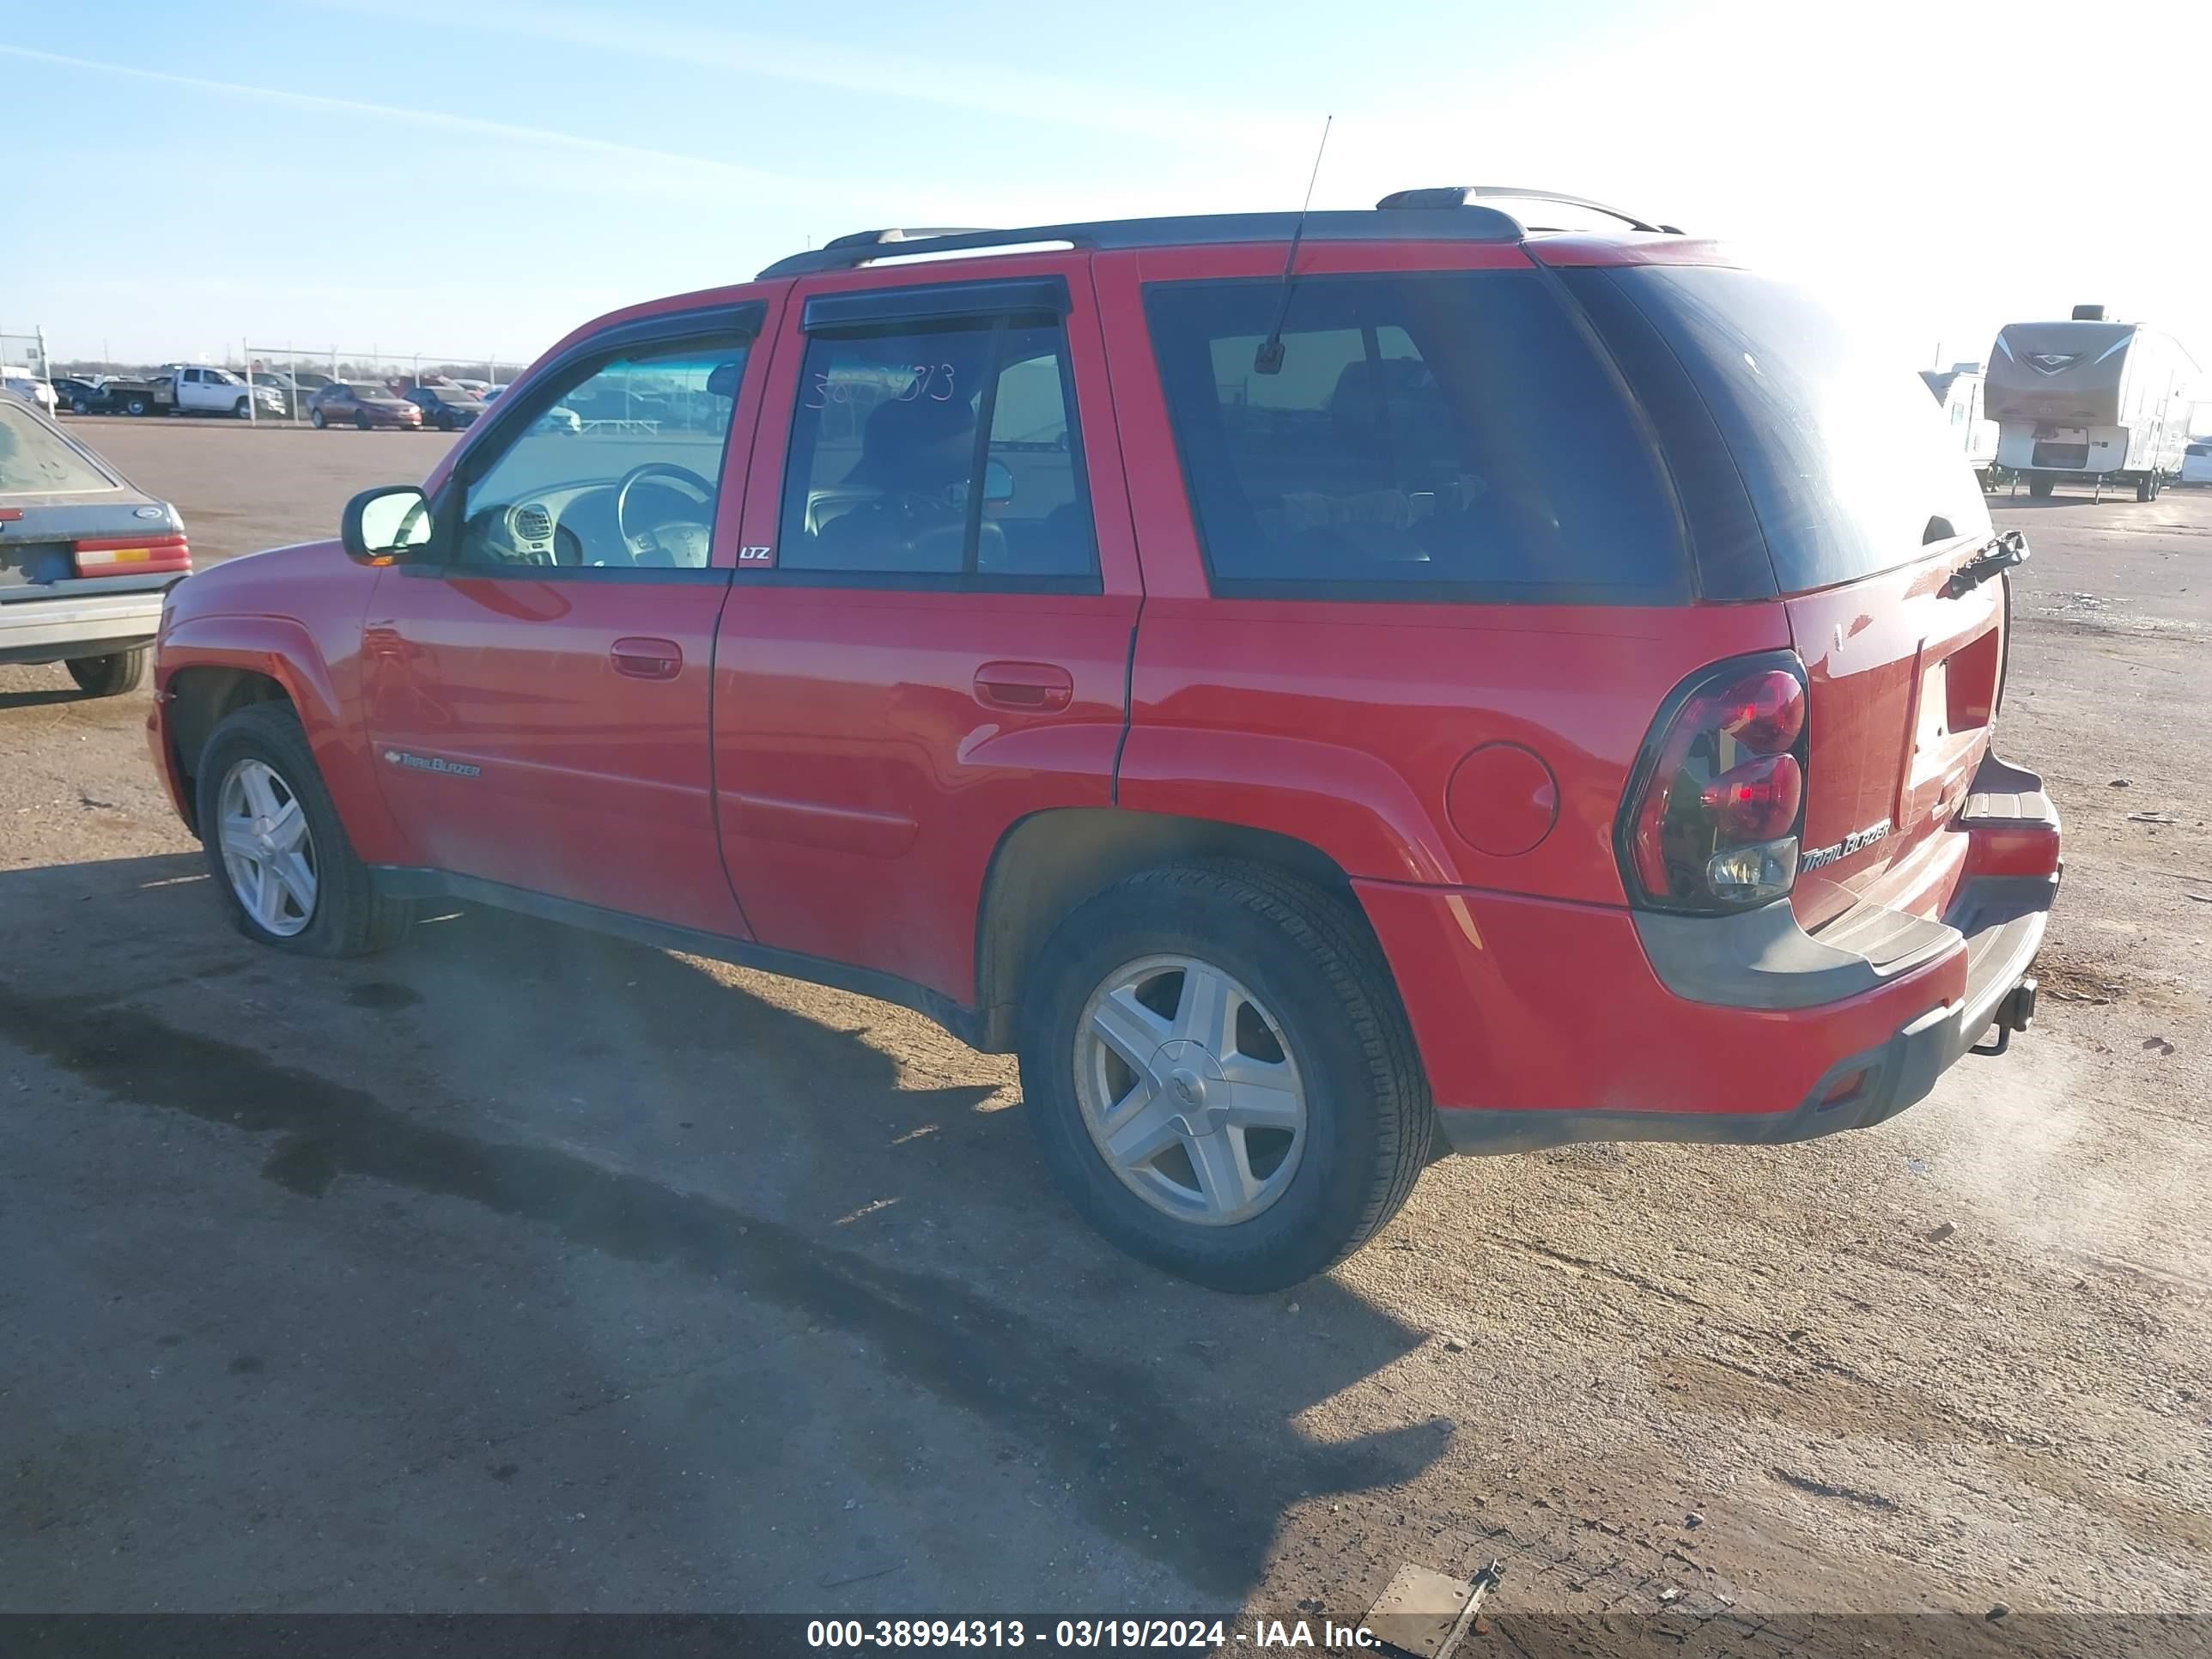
[(929, 634), (1814, 471)]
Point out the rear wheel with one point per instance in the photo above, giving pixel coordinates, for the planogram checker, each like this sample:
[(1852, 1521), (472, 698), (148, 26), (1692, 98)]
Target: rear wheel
[(138, 405), (276, 848), (110, 676), (2040, 487), (1221, 1077), (2143, 486)]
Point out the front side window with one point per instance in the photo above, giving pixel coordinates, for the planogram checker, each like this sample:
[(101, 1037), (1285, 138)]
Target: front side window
[(946, 454), (1429, 435), (619, 471)]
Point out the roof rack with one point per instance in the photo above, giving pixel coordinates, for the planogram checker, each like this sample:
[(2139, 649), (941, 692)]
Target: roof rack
[(1451, 196), (884, 238), (1417, 222)]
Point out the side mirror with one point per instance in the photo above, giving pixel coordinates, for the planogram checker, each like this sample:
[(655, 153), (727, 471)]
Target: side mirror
[(383, 525), (998, 486), (722, 380)]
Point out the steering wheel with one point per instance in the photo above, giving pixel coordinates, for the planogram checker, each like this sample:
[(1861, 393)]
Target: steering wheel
[(647, 543)]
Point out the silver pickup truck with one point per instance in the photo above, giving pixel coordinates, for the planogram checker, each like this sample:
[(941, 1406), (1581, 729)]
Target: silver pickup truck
[(84, 558)]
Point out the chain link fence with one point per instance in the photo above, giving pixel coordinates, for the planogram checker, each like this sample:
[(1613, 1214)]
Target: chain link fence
[(296, 373)]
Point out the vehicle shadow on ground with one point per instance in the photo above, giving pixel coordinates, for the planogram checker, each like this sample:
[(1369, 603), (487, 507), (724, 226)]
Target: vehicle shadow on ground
[(1169, 1412)]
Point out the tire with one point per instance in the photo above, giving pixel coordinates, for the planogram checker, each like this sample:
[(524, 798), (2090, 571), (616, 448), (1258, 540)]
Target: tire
[(2143, 486), (361, 422), (444, 423), (344, 916), (243, 409), (315, 419), (110, 676), (138, 406), (2041, 487), (1323, 1003), (80, 406)]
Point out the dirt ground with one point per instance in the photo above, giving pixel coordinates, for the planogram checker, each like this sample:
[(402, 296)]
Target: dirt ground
[(522, 1270)]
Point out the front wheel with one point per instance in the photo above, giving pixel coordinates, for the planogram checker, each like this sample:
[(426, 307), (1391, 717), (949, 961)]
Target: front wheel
[(361, 422), (276, 848), (2040, 487), (110, 676), (243, 409), (1221, 1076), (315, 420)]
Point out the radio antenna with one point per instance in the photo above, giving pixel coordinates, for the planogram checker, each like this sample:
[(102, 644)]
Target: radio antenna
[(1268, 359)]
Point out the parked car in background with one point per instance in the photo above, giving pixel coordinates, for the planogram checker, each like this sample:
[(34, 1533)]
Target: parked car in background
[(280, 385), (21, 384), (1302, 767), (363, 404), (190, 389), (80, 395), (2196, 462), (559, 418), (85, 558), (448, 408)]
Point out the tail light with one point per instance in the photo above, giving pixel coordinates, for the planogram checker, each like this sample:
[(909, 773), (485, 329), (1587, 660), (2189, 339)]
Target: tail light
[(1717, 799), (134, 555)]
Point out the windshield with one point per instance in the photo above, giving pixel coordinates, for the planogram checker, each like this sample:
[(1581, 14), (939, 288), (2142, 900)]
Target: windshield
[(35, 460), (1849, 465), (375, 394)]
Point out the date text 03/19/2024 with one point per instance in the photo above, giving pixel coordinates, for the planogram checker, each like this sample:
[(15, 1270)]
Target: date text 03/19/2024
[(1200, 1635)]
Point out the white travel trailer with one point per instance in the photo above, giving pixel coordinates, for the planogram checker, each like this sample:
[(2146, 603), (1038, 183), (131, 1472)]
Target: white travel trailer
[(1961, 390), (2090, 399)]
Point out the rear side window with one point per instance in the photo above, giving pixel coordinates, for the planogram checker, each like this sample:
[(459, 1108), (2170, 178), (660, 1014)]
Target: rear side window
[(939, 455), (1427, 436), (1849, 465)]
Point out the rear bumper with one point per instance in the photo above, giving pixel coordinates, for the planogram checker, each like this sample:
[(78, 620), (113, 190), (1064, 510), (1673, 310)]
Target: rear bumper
[(1542, 1023), (55, 629)]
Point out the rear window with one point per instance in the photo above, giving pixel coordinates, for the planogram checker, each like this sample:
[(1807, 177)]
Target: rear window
[(34, 460), (1850, 467), (1427, 436)]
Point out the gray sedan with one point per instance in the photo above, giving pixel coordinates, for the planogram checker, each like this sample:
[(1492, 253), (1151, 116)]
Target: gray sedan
[(84, 558)]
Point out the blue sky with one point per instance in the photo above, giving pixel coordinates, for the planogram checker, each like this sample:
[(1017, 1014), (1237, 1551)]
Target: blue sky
[(474, 177)]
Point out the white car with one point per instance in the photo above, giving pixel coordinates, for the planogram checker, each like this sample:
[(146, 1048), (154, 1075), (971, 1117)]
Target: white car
[(30, 388), (559, 418), (2197, 463)]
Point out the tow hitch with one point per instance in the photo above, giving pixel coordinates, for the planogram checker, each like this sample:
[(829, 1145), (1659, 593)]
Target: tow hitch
[(2015, 1013)]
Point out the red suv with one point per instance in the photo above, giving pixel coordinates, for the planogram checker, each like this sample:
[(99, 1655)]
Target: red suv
[(1320, 691)]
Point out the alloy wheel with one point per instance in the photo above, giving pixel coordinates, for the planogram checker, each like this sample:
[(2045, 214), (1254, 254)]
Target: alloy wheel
[(267, 847), (1189, 1089)]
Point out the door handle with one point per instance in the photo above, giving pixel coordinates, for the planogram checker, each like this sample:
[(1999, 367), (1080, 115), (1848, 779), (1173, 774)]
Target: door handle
[(1025, 685), (647, 659)]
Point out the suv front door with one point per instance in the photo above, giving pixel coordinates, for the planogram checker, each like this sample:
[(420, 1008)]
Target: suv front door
[(929, 634), (537, 694)]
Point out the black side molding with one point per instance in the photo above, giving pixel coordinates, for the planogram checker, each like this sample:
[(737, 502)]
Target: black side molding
[(414, 882)]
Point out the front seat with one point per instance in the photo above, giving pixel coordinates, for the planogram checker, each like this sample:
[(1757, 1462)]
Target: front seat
[(917, 456)]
